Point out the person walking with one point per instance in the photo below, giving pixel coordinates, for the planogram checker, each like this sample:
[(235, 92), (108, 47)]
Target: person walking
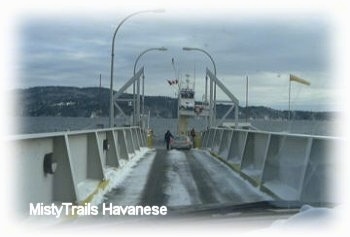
[(193, 135), (167, 137)]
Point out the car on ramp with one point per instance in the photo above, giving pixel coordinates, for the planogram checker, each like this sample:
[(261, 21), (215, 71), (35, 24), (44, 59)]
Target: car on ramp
[(181, 142)]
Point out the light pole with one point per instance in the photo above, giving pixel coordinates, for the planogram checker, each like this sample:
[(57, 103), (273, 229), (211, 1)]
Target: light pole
[(203, 51), (143, 83), (246, 100), (206, 79), (144, 52), (295, 79), (111, 102)]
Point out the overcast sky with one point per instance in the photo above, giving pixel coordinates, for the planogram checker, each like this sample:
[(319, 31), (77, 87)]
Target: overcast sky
[(69, 50)]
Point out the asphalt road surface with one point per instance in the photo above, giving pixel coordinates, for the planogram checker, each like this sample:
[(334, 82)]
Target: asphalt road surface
[(183, 178)]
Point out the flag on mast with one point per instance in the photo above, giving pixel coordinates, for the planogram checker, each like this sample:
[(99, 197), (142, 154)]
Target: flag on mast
[(173, 82), (298, 79)]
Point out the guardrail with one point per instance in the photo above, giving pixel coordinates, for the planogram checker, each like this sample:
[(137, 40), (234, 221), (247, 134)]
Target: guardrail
[(288, 166), (54, 167)]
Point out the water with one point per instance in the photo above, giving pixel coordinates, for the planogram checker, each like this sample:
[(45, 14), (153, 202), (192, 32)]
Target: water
[(56, 124), (312, 127), (160, 125)]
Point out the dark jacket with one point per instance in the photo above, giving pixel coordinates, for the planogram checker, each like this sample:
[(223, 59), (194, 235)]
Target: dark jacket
[(168, 136), (193, 133)]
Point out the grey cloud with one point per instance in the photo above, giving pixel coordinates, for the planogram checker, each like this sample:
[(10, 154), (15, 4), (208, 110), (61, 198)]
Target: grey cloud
[(72, 51)]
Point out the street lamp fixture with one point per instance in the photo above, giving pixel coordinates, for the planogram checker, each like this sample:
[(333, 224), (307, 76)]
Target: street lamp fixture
[(143, 82), (206, 81), (144, 52), (111, 109), (203, 51), (160, 10)]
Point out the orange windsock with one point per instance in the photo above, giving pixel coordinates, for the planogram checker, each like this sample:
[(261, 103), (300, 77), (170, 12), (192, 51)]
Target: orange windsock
[(298, 79)]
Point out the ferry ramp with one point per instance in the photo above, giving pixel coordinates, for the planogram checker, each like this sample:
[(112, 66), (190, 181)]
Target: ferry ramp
[(115, 166), (183, 178)]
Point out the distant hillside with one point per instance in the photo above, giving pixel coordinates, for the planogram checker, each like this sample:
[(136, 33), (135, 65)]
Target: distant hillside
[(86, 102)]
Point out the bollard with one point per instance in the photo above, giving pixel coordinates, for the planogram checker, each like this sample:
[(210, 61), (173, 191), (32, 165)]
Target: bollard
[(149, 138)]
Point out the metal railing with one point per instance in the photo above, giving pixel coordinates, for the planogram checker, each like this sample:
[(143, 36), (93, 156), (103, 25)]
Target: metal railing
[(52, 166), (288, 166)]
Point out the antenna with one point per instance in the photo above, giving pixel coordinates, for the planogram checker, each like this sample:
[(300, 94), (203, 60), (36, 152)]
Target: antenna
[(99, 96), (194, 77), (174, 67), (187, 81)]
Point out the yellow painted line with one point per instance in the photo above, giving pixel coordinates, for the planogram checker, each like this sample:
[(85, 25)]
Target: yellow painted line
[(101, 186)]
